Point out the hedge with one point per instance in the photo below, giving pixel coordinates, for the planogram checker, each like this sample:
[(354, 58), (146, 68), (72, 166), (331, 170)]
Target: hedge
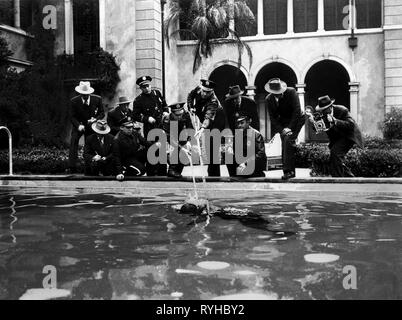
[(378, 158), (37, 160)]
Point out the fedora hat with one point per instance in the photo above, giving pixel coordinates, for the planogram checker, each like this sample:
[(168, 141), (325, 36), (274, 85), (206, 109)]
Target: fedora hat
[(276, 86), (124, 100), (101, 127), (143, 80), (234, 92), (207, 85), (178, 106), (84, 88), (324, 103)]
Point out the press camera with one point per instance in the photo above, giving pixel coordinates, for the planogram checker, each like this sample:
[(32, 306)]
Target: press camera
[(319, 121)]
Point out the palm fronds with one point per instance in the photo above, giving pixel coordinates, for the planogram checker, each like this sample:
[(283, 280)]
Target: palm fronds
[(208, 22)]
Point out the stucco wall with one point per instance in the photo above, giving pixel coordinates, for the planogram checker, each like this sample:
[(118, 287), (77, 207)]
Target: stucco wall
[(365, 66), (120, 41)]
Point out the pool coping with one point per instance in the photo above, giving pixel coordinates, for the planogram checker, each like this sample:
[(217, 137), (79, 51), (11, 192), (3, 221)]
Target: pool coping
[(66, 178), (214, 187)]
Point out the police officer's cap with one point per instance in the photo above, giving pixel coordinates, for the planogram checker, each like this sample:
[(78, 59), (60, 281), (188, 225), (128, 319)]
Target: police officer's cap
[(143, 80), (207, 85)]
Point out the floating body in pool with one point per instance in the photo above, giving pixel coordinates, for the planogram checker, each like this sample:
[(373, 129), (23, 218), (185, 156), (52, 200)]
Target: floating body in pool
[(199, 208)]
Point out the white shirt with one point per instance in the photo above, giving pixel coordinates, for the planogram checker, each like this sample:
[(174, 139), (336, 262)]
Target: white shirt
[(88, 101)]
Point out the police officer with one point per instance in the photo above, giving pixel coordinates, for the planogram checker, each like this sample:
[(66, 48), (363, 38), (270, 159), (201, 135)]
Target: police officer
[(203, 102), (150, 108)]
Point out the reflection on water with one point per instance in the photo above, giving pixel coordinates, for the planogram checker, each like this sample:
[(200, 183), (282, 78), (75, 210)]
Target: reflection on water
[(118, 246)]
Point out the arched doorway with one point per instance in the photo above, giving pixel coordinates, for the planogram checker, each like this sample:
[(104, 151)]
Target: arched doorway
[(271, 70), (226, 76), (326, 78)]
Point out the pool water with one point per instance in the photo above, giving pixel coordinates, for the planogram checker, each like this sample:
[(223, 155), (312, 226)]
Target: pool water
[(119, 246)]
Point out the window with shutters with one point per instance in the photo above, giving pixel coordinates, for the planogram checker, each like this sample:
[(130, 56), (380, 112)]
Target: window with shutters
[(275, 16), (26, 13), (86, 25), (7, 12), (305, 15), (368, 14), (248, 28), (335, 13)]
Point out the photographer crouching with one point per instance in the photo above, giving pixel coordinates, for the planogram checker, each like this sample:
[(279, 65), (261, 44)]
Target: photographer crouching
[(342, 131)]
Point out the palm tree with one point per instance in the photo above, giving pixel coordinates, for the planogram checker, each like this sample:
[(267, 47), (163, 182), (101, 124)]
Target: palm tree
[(209, 22)]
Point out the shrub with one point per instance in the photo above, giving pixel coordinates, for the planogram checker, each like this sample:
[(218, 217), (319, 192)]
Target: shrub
[(392, 126), (37, 160), (377, 159)]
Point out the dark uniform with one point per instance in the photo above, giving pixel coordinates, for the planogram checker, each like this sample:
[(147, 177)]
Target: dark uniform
[(212, 116), (146, 106), (183, 122), (247, 106), (102, 146), (80, 114), (116, 115), (130, 153)]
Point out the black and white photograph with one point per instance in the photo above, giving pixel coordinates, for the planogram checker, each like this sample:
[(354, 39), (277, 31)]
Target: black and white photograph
[(201, 154)]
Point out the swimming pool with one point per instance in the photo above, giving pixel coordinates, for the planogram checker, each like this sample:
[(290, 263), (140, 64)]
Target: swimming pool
[(126, 245)]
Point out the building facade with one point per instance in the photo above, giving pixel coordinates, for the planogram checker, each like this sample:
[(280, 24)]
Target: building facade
[(312, 46), (349, 49)]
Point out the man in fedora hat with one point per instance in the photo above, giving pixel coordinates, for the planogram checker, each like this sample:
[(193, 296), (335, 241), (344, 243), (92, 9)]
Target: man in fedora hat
[(86, 108), (130, 150), (120, 112), (150, 108), (343, 134), (182, 118), (287, 119), (235, 104), (98, 154), (203, 102), (257, 160)]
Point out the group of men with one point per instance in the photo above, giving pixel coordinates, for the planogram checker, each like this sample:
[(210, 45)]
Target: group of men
[(119, 147)]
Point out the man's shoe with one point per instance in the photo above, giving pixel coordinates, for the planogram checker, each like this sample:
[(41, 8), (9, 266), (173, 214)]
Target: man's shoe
[(174, 174), (288, 175)]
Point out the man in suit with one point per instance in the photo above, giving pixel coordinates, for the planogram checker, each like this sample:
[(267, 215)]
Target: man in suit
[(257, 160), (343, 134), (130, 150), (235, 104), (150, 108), (98, 154), (86, 108), (287, 119), (121, 111), (183, 122), (203, 102)]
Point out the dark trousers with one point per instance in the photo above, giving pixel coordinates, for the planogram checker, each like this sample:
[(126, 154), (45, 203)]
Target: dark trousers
[(289, 148), (338, 150), (73, 152), (134, 167), (94, 168), (214, 170), (260, 167), (158, 169), (177, 167)]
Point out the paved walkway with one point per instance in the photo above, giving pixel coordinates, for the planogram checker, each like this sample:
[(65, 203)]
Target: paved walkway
[(202, 171)]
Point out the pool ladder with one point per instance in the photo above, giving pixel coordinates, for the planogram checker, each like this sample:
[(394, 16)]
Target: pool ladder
[(10, 150)]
